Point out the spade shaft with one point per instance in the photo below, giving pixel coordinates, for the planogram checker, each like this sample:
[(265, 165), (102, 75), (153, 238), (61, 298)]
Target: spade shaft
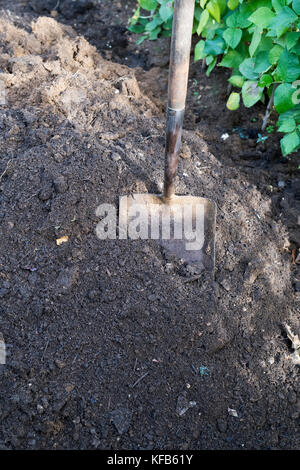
[(178, 80)]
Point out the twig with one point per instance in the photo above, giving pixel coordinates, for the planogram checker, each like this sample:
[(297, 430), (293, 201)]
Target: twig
[(45, 350), (1, 176), (191, 279), (138, 380), (269, 108)]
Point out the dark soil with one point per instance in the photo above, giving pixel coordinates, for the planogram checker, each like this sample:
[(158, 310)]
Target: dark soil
[(110, 344)]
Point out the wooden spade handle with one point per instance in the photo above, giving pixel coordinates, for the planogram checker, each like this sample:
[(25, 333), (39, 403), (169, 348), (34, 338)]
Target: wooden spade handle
[(178, 80)]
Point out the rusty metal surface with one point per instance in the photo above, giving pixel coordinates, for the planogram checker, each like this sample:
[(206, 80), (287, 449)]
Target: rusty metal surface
[(173, 141), (203, 256)]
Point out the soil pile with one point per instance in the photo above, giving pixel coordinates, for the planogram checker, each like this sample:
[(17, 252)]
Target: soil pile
[(111, 344)]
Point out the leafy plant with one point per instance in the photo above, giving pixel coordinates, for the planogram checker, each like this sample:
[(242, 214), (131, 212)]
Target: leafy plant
[(259, 40)]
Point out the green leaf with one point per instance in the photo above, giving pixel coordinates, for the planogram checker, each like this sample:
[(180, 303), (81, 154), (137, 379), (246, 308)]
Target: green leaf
[(261, 62), (214, 9), (247, 69), (232, 4), (232, 60), (154, 23), (198, 50), (233, 101), (148, 4), (296, 6), (283, 97), (211, 67), (293, 113), (251, 93), (141, 39), (278, 5), (197, 13), (281, 22), (291, 39), (265, 80), (203, 3), (232, 37), (153, 35), (168, 24), (137, 28), (288, 68), (290, 142), (166, 11), (135, 17), (262, 17), (236, 80), (166, 33), (275, 53), (287, 125), (204, 17), (256, 38), (214, 47), (296, 48), (209, 59)]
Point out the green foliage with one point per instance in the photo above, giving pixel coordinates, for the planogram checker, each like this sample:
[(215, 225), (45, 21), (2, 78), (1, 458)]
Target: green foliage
[(259, 40)]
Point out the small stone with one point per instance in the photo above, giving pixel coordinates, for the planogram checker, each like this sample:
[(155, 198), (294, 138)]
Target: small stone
[(225, 284), (60, 364), (121, 418), (185, 152), (292, 397), (46, 192), (67, 278), (253, 270), (60, 185), (152, 297), (169, 267), (115, 157), (69, 387), (183, 404), (281, 184), (232, 412), (221, 425), (40, 409)]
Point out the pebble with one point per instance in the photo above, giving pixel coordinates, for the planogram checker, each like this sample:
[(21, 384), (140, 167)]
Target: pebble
[(183, 404), (60, 364), (45, 193), (292, 397), (115, 157), (185, 152), (281, 184), (232, 412), (121, 418), (221, 425), (225, 284), (67, 278), (60, 185)]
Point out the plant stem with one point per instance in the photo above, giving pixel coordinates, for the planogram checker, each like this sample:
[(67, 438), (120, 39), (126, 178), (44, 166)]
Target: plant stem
[(269, 108)]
